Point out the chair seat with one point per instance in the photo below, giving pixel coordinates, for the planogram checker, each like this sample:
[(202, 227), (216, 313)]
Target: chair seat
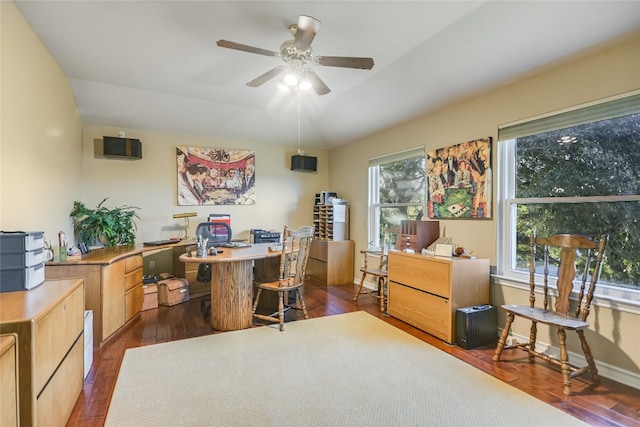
[(375, 272), (546, 316), (275, 286)]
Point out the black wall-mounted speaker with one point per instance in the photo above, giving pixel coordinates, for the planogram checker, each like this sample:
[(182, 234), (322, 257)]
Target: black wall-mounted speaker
[(302, 163), (121, 148)]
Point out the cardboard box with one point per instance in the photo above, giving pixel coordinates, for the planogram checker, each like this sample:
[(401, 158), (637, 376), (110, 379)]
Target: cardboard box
[(173, 291), (150, 296)]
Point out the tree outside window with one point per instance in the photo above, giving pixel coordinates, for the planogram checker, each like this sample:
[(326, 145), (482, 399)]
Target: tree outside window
[(396, 192), (580, 179)]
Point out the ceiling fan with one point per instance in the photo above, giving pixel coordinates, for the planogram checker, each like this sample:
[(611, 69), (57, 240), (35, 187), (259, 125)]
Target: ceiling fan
[(297, 53)]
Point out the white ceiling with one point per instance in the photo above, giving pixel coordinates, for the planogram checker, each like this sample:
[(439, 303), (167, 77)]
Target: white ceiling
[(155, 65)]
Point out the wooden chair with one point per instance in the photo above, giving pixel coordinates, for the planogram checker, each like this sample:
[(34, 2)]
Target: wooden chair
[(566, 252), (293, 263), (379, 273)]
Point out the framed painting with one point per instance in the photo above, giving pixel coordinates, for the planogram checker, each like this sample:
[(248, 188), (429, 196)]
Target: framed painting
[(215, 176), (459, 181)]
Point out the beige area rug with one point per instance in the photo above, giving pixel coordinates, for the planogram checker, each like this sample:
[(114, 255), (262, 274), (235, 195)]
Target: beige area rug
[(345, 370)]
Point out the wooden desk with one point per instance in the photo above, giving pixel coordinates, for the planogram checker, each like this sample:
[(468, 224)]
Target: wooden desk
[(232, 284), (113, 284)]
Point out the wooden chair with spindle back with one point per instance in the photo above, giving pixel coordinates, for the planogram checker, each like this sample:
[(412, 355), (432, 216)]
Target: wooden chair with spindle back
[(565, 252), (378, 270), (291, 276)]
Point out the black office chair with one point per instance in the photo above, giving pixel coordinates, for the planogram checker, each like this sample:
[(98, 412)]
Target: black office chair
[(218, 234)]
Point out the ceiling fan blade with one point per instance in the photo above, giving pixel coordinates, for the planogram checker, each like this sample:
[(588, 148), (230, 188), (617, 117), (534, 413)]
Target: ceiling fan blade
[(345, 61), (318, 85), (266, 77), (307, 29), (246, 48)]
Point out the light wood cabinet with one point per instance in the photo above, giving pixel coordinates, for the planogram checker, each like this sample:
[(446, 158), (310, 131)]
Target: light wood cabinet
[(49, 323), (133, 290), (426, 291), (9, 410), (331, 262), (189, 271), (113, 289)]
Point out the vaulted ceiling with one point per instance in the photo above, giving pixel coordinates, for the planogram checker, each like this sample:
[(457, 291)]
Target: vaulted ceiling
[(155, 65)]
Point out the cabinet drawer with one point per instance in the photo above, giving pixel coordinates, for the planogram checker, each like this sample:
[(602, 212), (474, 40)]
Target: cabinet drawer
[(133, 300), (319, 250), (55, 333), (317, 269), (132, 279), (427, 274), (59, 397), (427, 312), (132, 262)]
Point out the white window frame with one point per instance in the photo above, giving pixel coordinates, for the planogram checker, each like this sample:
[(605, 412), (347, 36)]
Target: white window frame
[(608, 296)]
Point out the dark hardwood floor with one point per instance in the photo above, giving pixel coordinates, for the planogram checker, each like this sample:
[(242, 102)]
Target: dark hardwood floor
[(610, 404)]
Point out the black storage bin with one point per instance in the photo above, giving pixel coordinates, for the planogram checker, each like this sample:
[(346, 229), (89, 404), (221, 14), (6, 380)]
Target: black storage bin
[(476, 326)]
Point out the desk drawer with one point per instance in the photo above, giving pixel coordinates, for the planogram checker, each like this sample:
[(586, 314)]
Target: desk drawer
[(133, 262), (132, 279), (427, 274), (427, 312), (133, 300)]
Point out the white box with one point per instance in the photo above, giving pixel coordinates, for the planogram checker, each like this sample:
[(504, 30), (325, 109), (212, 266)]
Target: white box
[(88, 341)]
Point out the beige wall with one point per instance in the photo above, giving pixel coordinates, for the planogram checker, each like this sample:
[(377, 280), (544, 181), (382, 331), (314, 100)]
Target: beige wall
[(282, 196), (600, 74), (40, 133)]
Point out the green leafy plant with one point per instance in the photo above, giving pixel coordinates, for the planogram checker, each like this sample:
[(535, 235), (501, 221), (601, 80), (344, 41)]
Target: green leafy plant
[(108, 226)]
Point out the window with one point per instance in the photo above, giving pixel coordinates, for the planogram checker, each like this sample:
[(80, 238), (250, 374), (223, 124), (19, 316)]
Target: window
[(396, 192), (574, 172)]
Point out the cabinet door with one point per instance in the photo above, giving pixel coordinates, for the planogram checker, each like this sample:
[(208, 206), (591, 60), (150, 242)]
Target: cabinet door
[(133, 300), (427, 312), (112, 298)]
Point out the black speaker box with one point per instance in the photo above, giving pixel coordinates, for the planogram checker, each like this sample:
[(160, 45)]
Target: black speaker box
[(476, 326), (122, 148), (302, 163)]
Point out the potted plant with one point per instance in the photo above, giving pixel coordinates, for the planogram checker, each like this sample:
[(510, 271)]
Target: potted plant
[(110, 227)]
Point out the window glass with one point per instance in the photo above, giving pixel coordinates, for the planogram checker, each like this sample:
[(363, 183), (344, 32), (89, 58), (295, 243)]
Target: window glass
[(396, 192), (577, 179)]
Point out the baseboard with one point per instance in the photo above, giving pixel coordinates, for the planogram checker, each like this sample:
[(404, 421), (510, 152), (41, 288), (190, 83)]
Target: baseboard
[(606, 370)]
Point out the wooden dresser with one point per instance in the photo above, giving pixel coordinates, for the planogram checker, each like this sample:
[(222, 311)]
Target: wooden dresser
[(48, 321), (426, 291), (113, 286), (331, 262)]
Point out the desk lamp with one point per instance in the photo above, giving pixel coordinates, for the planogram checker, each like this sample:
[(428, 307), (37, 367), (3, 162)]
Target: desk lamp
[(186, 217)]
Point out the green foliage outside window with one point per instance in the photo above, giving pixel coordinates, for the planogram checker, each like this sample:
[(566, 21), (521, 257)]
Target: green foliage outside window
[(586, 168)]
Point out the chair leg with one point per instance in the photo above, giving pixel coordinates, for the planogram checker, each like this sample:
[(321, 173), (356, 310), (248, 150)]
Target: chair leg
[(255, 303), (281, 309), (355, 297), (533, 334), (302, 304), (502, 341), (564, 362), (381, 291), (590, 361)]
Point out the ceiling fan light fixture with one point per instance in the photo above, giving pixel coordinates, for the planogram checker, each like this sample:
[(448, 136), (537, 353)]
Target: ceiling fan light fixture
[(291, 79), (304, 85)]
